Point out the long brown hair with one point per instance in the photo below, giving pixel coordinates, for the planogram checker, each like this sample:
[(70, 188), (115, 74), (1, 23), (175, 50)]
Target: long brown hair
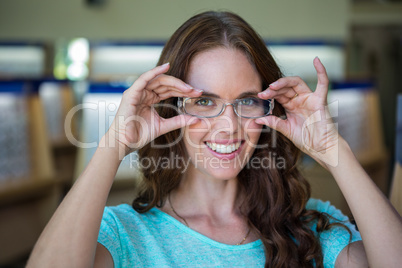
[(276, 195)]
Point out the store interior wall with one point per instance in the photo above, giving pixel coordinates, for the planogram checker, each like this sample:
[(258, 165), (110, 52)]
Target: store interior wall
[(157, 19)]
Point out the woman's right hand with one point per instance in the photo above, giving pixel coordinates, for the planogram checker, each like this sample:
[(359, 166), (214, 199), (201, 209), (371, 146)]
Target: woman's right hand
[(136, 122)]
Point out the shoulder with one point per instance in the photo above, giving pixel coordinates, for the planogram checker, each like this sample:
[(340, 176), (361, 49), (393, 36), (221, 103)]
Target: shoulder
[(118, 213), (335, 239), (334, 215), (126, 215), (123, 210), (121, 228), (325, 207), (115, 219), (318, 204)]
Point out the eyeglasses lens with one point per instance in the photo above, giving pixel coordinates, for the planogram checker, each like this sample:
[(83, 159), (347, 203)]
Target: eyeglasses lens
[(211, 107)]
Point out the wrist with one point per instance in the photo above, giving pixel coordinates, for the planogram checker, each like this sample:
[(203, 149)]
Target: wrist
[(341, 155), (332, 156), (111, 144)]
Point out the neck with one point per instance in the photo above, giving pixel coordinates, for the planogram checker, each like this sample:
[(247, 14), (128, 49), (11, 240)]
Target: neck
[(211, 207), (210, 197)]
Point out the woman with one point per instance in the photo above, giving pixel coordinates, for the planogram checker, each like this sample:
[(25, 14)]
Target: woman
[(230, 203)]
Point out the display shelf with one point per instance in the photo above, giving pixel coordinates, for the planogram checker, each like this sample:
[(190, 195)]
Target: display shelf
[(324, 186), (21, 190), (27, 201), (24, 216)]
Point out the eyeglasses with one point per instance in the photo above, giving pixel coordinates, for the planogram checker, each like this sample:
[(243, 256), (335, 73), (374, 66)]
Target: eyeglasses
[(208, 107)]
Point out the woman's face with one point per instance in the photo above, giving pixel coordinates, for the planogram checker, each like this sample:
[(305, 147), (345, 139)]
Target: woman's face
[(220, 147)]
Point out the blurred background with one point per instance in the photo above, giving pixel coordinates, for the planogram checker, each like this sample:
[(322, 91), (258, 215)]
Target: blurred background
[(64, 65)]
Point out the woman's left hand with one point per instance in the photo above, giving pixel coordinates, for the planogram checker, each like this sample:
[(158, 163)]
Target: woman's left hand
[(310, 127), (308, 124)]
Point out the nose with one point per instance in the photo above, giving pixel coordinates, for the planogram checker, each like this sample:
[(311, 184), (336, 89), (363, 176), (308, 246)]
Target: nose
[(228, 121)]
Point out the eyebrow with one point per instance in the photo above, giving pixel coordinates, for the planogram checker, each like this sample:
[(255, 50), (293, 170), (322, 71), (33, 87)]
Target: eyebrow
[(242, 95), (247, 94), (207, 94)]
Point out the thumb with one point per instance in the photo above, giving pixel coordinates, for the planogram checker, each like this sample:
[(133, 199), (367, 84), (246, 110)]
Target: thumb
[(177, 122), (274, 122)]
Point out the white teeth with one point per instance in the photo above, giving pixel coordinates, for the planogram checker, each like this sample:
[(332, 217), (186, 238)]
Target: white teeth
[(224, 148)]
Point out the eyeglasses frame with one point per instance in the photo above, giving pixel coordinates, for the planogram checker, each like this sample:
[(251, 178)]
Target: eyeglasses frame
[(181, 101)]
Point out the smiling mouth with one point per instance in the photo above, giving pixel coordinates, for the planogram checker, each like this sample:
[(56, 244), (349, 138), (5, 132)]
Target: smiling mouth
[(223, 148)]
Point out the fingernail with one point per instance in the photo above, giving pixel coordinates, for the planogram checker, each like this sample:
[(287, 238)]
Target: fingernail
[(188, 86), (199, 90), (274, 83), (167, 63)]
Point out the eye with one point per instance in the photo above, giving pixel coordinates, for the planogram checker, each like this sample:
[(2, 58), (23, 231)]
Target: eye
[(248, 101), (204, 102)]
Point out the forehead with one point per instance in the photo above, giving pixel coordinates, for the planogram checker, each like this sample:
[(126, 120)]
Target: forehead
[(225, 72)]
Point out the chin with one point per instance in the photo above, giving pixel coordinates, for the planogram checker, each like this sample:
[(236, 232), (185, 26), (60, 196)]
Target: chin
[(220, 170), (225, 175)]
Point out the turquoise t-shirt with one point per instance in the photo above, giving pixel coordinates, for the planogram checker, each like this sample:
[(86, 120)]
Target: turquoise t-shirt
[(155, 239)]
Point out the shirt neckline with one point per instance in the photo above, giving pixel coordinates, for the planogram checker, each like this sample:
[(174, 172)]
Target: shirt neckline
[(202, 237)]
